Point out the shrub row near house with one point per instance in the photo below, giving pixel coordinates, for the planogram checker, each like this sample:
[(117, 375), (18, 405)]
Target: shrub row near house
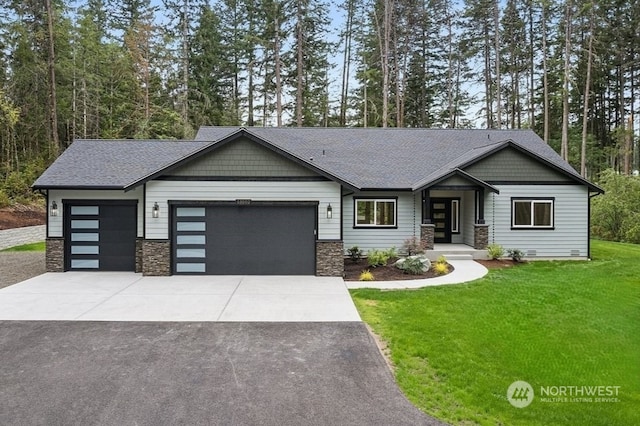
[(615, 215)]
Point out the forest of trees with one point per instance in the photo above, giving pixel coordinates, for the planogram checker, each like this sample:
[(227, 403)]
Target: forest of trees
[(569, 69)]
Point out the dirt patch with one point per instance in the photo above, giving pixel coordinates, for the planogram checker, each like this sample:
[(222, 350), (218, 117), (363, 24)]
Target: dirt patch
[(20, 215), (498, 263), (388, 272)]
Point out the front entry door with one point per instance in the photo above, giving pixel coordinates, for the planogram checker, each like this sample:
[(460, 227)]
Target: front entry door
[(441, 215)]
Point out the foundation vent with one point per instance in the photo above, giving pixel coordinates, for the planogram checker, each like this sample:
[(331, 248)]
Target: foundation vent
[(531, 253), (575, 252)]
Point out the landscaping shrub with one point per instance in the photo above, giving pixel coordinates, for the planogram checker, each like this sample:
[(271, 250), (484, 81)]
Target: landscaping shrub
[(441, 259), (412, 246), (440, 268), (515, 254), (355, 254), (380, 257), (366, 276), (495, 251)]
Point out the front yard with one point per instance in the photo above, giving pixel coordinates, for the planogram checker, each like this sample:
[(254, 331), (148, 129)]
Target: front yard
[(456, 349)]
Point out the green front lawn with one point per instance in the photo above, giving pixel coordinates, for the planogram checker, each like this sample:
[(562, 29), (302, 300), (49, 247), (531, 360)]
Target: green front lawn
[(28, 247), (457, 348)]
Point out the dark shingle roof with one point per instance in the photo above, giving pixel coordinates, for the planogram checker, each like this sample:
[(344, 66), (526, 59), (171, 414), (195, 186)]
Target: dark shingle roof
[(371, 158)]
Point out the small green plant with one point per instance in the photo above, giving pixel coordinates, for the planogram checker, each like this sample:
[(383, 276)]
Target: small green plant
[(366, 276), (515, 254), (355, 254), (379, 257), (495, 251), (413, 266), (412, 246), (392, 253), (441, 259), (440, 268)]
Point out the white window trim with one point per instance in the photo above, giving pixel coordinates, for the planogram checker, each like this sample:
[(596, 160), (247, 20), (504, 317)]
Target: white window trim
[(375, 212), (533, 202)]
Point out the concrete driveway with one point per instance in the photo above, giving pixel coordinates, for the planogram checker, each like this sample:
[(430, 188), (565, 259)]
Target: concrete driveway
[(124, 296), (120, 373)]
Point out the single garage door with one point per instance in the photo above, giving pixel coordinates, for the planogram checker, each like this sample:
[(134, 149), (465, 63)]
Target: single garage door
[(252, 239), (100, 236)]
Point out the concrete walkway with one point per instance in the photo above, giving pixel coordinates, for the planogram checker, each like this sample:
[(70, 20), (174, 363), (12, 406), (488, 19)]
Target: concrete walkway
[(19, 236), (125, 296), (464, 271)]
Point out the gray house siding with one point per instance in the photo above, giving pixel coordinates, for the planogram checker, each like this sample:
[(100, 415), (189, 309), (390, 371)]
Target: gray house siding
[(57, 195), (324, 193), (568, 238), (243, 158), (407, 220), (511, 165)]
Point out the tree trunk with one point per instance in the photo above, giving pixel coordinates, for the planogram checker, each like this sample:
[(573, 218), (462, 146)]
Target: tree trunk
[(346, 64), (496, 23), (276, 51), (545, 77), (53, 104), (299, 63), (564, 148), (585, 107)]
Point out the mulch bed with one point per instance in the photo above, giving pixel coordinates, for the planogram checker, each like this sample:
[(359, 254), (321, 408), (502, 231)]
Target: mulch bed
[(22, 215), (388, 272)]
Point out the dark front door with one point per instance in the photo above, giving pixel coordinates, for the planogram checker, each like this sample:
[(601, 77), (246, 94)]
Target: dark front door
[(441, 216), (255, 239), (100, 236)]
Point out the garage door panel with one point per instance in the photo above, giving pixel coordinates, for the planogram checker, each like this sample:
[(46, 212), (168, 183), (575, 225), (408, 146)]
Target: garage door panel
[(249, 240), (101, 236)]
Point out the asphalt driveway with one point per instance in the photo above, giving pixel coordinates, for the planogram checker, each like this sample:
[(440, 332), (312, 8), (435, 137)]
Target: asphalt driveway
[(128, 373), (125, 296)]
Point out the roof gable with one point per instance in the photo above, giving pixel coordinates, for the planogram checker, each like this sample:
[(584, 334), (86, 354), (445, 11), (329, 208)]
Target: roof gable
[(509, 164), (242, 158)]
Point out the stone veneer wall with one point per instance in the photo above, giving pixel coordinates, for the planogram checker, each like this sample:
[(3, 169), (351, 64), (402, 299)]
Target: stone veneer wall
[(427, 236), (329, 258), (139, 255), (54, 255), (156, 257), (480, 236)]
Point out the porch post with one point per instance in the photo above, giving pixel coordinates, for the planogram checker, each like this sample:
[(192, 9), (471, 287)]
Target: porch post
[(426, 206), (480, 229), (480, 206)]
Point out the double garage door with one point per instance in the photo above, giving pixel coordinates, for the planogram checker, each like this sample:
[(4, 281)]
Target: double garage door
[(244, 239)]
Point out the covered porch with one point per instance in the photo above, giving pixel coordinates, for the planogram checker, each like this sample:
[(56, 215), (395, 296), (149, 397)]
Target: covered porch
[(453, 215)]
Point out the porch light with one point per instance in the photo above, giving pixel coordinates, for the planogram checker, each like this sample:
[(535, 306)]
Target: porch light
[(156, 211), (54, 209), (329, 212)]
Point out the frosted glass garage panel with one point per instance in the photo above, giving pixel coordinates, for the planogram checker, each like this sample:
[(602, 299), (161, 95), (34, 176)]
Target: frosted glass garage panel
[(85, 236), (85, 264), (190, 212), (85, 250), (190, 253), (191, 239), (85, 224), (85, 210), (191, 226), (190, 267)]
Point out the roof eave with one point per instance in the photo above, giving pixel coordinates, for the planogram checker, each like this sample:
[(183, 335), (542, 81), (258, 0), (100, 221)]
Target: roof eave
[(459, 172), (240, 132)]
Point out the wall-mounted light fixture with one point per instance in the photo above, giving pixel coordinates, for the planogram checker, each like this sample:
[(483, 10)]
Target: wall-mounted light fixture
[(54, 209), (329, 212), (155, 212)]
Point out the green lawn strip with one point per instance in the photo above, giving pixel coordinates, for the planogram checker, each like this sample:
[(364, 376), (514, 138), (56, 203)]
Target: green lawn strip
[(40, 246), (457, 348)]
